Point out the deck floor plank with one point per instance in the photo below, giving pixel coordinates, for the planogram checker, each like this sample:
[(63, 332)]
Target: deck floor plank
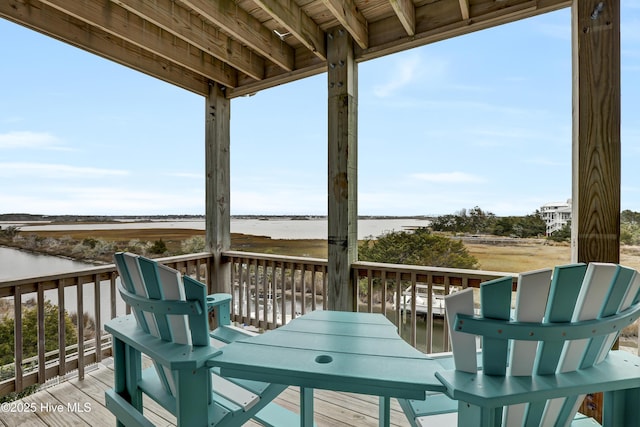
[(17, 416), (331, 408), (54, 411)]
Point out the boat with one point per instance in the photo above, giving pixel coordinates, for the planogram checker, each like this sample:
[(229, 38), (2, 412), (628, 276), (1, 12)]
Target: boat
[(422, 299)]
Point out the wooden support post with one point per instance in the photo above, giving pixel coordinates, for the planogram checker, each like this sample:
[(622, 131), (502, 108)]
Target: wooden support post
[(218, 216), (595, 226), (596, 131), (342, 173)]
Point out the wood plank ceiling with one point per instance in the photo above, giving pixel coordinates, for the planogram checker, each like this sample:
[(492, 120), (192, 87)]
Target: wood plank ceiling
[(250, 45)]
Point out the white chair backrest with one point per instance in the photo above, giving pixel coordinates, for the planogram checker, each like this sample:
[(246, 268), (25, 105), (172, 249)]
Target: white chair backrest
[(572, 294), (152, 281)]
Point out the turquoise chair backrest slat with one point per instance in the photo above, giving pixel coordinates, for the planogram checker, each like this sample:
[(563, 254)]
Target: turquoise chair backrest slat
[(153, 288), (612, 304), (563, 295), (495, 303), (194, 290)]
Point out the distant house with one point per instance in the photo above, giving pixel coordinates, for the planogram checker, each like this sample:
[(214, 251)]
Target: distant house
[(556, 215)]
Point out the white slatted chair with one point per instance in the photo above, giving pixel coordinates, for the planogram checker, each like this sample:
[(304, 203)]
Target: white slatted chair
[(539, 361), (169, 324)]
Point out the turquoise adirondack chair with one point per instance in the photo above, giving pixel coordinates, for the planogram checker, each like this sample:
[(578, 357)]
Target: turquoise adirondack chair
[(539, 361), (169, 324)]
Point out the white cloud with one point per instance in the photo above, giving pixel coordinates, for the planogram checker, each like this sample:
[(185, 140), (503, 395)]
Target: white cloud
[(449, 177), (409, 69), (103, 201), (52, 170), (30, 140)]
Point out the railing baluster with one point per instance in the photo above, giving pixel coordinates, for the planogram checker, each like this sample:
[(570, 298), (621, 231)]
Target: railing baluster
[(413, 310), (263, 289), (62, 330), (283, 300), (314, 278), (303, 288), (233, 277), (293, 290), (242, 305), (112, 295), (398, 295), (17, 338), (80, 296), (254, 282), (273, 291), (369, 291), (325, 287), (429, 316), (40, 334), (445, 326), (383, 283), (98, 317)]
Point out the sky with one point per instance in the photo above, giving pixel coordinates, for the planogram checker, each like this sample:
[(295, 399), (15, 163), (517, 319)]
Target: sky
[(479, 120)]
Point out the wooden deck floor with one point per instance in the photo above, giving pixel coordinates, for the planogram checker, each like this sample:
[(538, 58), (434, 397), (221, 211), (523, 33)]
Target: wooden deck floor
[(81, 403)]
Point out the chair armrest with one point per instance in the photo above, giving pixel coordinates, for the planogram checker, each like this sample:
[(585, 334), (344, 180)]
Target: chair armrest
[(215, 300), (174, 356), (220, 304), (619, 371)]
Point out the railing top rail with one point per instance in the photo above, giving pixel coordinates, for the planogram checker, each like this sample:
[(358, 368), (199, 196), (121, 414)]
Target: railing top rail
[(90, 271), (184, 258), (427, 269), (103, 269), (277, 258)]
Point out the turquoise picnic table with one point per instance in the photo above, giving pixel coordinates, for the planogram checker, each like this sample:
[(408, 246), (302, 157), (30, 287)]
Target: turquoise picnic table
[(333, 350)]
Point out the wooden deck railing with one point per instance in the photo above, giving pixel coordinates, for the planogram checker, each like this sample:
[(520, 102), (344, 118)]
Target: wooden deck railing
[(268, 290), (395, 289), (51, 299)]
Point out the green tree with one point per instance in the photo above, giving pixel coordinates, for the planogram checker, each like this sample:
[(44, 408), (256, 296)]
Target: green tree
[(630, 227), (630, 217), (420, 247), (30, 334), (562, 235), (159, 247), (473, 221)]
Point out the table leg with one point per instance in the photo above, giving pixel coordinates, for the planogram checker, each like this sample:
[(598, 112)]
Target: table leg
[(384, 409), (306, 407)]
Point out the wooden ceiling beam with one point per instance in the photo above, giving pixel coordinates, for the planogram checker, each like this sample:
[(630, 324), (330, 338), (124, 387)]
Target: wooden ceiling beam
[(240, 25), (438, 23), (406, 13), (347, 13), (291, 17), (120, 23), (307, 65), (464, 9), (51, 22), (180, 22)]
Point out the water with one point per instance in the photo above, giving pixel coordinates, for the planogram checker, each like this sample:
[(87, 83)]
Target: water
[(274, 228), (15, 264)]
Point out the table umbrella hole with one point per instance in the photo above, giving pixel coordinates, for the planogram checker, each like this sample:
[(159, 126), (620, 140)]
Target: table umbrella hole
[(324, 358)]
